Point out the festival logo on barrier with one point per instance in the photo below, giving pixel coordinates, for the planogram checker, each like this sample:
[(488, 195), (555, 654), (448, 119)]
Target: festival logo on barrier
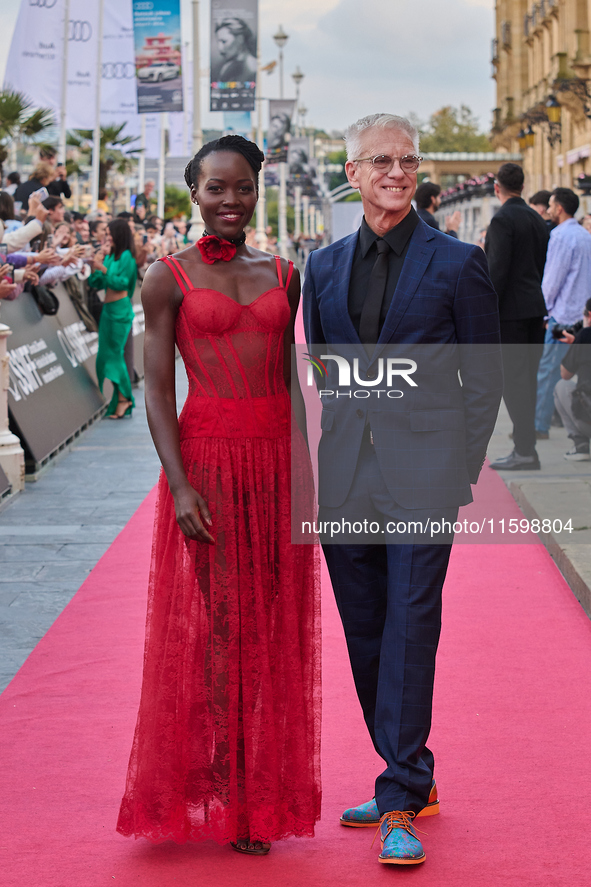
[(157, 36), (278, 134), (234, 34)]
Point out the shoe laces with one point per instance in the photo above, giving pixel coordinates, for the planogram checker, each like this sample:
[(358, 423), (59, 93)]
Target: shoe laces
[(397, 819)]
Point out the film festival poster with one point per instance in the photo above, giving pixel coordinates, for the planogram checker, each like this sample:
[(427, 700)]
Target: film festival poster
[(234, 35), (302, 170), (278, 134), (157, 39)]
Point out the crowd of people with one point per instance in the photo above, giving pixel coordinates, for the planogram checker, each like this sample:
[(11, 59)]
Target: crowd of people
[(539, 258)]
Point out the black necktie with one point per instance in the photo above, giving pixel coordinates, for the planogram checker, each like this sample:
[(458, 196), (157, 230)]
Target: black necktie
[(369, 323)]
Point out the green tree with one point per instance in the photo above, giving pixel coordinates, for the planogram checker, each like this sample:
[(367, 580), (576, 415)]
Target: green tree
[(337, 178), (112, 153), (176, 202), (453, 129), (18, 122)]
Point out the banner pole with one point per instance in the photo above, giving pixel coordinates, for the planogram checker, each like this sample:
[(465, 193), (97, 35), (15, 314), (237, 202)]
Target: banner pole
[(141, 166), (96, 144), (62, 143), (162, 165), (261, 235), (196, 229)]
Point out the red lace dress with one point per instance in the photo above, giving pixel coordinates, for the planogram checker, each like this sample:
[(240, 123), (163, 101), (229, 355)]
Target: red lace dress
[(227, 742)]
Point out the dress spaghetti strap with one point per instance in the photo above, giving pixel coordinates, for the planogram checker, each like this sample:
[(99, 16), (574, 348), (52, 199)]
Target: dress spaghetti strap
[(280, 275), (180, 276)]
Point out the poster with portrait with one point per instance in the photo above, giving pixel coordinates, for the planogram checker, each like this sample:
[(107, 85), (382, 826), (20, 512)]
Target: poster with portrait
[(278, 133), (302, 168), (234, 34), (158, 66)]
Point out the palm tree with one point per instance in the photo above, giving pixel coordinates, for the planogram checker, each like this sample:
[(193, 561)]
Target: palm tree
[(111, 154), (18, 121)]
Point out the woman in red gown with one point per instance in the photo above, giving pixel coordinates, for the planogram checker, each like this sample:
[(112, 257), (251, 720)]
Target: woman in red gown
[(227, 742)]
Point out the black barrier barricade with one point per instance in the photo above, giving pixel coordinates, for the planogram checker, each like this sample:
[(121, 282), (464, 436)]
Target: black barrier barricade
[(51, 395)]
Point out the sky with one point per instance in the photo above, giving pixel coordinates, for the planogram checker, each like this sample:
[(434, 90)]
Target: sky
[(362, 56)]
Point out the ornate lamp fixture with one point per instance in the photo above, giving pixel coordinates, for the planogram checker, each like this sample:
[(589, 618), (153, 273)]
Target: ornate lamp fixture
[(529, 137), (554, 114)]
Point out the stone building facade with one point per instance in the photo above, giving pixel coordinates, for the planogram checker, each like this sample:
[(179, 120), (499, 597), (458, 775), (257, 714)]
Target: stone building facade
[(542, 66)]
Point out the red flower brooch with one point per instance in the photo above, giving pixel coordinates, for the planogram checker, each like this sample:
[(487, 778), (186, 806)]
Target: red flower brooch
[(214, 249)]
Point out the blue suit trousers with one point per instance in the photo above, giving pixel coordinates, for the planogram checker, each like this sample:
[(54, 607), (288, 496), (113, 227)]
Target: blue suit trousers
[(389, 600)]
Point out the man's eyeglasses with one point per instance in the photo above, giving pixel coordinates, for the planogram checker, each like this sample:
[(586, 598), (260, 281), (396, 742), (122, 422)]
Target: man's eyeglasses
[(384, 163)]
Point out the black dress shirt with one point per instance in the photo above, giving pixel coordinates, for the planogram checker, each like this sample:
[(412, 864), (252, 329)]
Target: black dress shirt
[(398, 239)]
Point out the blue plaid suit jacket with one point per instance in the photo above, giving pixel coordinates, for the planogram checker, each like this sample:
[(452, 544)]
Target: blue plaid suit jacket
[(432, 446)]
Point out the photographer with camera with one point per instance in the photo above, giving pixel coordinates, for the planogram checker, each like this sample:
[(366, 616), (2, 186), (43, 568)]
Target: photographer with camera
[(566, 286), (573, 400)]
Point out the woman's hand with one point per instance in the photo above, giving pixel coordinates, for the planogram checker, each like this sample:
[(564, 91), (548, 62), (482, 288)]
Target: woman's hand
[(191, 514), (47, 256), (6, 289), (32, 274), (5, 271)]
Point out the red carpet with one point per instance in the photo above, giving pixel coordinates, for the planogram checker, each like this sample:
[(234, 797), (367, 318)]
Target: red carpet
[(511, 731)]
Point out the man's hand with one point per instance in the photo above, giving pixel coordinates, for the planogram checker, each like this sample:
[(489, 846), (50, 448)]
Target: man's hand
[(453, 222), (568, 338), (37, 209)]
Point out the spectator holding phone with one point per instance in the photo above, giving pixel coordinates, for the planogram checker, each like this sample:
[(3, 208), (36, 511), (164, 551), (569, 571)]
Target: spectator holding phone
[(13, 233), (43, 175)]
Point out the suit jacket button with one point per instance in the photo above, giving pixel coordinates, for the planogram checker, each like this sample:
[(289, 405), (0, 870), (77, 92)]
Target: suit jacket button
[(360, 413), (370, 375)]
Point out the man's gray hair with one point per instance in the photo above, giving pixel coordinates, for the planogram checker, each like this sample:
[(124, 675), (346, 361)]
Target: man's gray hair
[(377, 121)]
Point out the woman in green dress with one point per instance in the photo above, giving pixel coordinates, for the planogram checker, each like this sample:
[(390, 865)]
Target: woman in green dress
[(117, 274)]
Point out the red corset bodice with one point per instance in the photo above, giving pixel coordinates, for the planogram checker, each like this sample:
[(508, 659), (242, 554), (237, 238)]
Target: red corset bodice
[(233, 355)]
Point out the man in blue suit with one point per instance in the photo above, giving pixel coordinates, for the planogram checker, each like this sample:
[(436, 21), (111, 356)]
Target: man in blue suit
[(398, 284)]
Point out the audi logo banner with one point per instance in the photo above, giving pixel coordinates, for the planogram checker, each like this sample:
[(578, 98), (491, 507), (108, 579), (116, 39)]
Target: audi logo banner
[(158, 64), (35, 58), (83, 28)]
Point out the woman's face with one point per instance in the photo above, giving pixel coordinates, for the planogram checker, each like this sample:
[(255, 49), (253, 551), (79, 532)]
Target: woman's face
[(62, 236), (229, 45), (226, 193)]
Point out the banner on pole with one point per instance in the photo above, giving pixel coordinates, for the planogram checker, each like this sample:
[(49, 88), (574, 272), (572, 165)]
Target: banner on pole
[(278, 134), (35, 59), (83, 44), (118, 92), (157, 38), (302, 171), (234, 34)]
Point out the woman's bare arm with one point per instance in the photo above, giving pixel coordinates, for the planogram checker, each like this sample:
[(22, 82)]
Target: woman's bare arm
[(161, 300), (289, 362)]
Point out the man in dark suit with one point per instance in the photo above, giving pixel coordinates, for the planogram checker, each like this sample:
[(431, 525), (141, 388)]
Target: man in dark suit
[(398, 287), (428, 201), (515, 246)]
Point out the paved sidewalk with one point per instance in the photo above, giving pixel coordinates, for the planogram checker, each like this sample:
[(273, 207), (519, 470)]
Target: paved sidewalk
[(54, 533), (561, 491)]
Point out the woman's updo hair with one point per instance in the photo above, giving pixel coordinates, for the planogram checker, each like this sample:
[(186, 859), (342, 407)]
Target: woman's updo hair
[(237, 144)]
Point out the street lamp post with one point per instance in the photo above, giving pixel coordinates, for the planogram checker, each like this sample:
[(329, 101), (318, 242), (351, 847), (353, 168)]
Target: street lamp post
[(196, 229), (297, 77), (281, 39), (261, 235)]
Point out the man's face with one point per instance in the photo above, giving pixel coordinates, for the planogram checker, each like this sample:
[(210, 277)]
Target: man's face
[(554, 209), (148, 188), (389, 192), (436, 202), (56, 214)]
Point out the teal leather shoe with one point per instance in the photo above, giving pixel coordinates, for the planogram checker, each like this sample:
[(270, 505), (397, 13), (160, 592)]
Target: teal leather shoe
[(366, 815), (400, 842)]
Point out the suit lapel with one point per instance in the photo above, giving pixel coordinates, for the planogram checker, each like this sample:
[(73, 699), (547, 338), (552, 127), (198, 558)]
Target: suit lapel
[(342, 265), (417, 260)]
